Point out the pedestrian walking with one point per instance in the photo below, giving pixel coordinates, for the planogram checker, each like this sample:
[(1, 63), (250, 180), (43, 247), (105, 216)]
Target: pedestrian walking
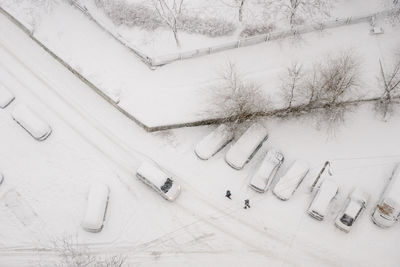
[(246, 204), (228, 194)]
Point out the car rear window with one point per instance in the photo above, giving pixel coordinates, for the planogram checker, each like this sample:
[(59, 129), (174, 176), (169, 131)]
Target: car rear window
[(167, 185), (347, 220)]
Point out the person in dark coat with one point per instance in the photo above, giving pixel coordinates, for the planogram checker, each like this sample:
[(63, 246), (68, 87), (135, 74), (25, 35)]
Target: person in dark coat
[(246, 204), (228, 194)]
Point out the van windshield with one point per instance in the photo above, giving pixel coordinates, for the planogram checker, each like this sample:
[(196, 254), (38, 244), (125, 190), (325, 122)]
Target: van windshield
[(167, 185)]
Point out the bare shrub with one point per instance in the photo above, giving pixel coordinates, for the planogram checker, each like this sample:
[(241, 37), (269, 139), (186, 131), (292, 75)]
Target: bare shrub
[(390, 84), (251, 30), (74, 255), (237, 4), (130, 14), (212, 27)]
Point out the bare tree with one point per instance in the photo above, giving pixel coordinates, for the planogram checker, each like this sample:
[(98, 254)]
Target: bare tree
[(170, 12), (298, 10), (236, 100), (390, 83), (237, 4), (74, 255), (291, 83)]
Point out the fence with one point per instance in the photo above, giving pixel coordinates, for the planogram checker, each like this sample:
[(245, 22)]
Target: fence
[(154, 62)]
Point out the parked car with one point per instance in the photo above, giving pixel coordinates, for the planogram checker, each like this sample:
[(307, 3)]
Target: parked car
[(288, 184), (96, 208), (31, 122), (355, 204), (264, 175), (214, 142), (159, 180), (320, 203), (387, 211), (246, 146), (6, 97)]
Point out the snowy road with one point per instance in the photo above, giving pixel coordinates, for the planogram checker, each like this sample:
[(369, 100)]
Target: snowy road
[(92, 141)]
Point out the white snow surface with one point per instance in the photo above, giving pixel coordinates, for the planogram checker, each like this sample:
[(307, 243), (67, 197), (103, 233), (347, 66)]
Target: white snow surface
[(93, 142)]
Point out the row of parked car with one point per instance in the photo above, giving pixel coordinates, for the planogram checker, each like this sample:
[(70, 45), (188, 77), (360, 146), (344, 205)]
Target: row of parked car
[(385, 214), (25, 117)]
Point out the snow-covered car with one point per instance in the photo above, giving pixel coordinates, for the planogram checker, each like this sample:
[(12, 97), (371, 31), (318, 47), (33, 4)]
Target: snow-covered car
[(159, 180), (6, 97), (287, 184), (320, 203), (387, 211), (246, 146), (264, 175), (96, 208), (31, 122), (355, 204), (214, 142)]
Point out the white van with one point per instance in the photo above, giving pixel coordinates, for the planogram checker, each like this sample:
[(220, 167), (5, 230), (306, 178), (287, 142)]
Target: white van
[(6, 97), (355, 204), (96, 208), (159, 180), (320, 204), (214, 142), (246, 146), (264, 175), (387, 211), (287, 184), (28, 120)]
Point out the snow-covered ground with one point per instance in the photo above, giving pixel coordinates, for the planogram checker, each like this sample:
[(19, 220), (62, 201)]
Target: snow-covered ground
[(166, 96), (43, 195)]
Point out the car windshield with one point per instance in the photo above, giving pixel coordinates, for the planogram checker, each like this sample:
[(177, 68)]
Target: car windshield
[(347, 220), (167, 185)]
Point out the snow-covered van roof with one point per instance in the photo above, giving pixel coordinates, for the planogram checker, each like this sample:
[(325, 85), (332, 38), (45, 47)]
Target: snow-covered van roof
[(34, 125), (262, 178), (6, 97), (96, 207), (325, 194), (288, 183), (240, 152), (213, 142), (152, 173)]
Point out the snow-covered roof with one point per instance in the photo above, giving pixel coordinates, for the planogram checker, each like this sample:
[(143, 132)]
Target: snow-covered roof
[(325, 194), (262, 178), (152, 173), (289, 182), (30, 121), (239, 152), (5, 96), (353, 208), (213, 142), (96, 207)]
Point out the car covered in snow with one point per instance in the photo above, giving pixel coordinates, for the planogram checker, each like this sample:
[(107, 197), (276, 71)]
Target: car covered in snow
[(159, 180), (31, 122), (320, 203), (387, 211), (355, 204), (265, 173), (246, 146), (97, 201), (6, 97), (288, 183), (214, 142)]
